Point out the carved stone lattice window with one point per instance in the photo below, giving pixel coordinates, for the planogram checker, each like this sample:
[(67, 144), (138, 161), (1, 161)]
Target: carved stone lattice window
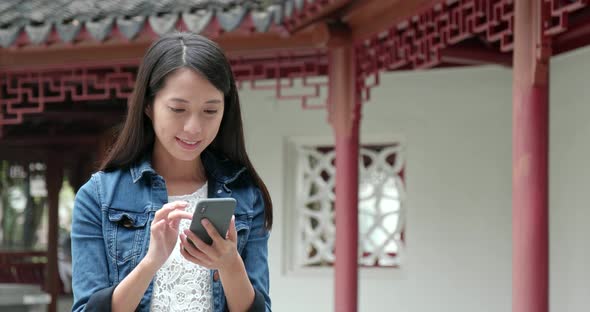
[(381, 205)]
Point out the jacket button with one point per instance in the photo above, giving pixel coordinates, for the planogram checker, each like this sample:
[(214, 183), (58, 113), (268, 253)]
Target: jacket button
[(127, 223), (216, 276)]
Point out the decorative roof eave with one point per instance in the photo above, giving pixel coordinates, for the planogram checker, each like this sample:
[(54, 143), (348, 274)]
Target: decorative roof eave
[(128, 29), (234, 44), (208, 23), (211, 19)]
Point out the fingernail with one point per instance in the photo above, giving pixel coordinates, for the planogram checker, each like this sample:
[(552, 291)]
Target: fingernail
[(204, 222)]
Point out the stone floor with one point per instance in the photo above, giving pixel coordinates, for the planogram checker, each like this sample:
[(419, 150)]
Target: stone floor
[(64, 304)]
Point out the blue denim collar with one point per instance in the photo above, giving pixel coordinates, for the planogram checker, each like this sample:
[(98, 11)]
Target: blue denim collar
[(219, 168), (142, 167)]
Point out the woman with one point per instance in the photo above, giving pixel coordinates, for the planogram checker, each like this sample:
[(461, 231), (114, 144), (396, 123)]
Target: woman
[(182, 141)]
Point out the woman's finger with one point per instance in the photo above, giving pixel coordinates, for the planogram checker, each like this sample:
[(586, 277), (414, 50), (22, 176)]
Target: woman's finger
[(211, 230), (179, 215), (189, 249), (192, 259), (199, 244), (232, 233), (169, 207), (157, 226)]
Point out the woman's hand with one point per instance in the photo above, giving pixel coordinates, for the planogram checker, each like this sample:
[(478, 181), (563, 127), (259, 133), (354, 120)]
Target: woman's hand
[(164, 232), (221, 255)]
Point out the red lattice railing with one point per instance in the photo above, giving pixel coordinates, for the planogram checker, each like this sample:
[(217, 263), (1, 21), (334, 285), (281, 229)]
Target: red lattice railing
[(27, 267), (279, 74), (417, 42), (23, 267), (25, 92)]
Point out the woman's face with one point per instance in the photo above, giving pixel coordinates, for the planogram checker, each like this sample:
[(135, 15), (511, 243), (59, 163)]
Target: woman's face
[(186, 114)]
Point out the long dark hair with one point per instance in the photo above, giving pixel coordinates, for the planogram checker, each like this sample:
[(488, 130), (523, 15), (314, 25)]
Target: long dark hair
[(167, 54)]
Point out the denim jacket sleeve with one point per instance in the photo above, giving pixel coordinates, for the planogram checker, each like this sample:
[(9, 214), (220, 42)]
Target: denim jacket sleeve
[(90, 278), (255, 257)]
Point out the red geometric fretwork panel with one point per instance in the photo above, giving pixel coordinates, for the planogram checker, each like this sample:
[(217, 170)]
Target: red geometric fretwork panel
[(559, 11), (290, 76), (417, 42), (26, 92)]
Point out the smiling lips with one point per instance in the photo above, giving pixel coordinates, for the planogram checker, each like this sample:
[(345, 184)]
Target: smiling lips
[(188, 145)]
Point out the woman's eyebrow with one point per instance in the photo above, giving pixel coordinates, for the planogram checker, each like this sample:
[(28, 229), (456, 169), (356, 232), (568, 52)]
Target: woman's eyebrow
[(178, 100), (181, 100)]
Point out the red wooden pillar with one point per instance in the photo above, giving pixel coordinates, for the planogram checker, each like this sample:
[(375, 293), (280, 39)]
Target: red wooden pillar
[(344, 115), (530, 253), (54, 178)]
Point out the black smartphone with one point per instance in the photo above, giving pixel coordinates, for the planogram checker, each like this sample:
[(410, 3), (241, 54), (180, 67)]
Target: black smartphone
[(218, 211)]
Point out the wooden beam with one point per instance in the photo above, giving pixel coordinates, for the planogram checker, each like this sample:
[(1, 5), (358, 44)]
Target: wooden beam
[(367, 18), (327, 10), (100, 117), (362, 11), (576, 36), (37, 58), (23, 153), (313, 37), (462, 55), (45, 141)]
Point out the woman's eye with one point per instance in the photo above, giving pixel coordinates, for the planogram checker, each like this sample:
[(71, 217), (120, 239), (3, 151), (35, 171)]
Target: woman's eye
[(177, 110), (211, 111)]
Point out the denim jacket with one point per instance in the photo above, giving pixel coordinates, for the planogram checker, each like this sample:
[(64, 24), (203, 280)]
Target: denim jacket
[(111, 222)]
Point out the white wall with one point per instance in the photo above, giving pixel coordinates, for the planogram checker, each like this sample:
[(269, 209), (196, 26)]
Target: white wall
[(457, 126), (570, 182)]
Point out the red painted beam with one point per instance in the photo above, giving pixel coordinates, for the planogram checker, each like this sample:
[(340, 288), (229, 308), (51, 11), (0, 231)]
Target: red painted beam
[(116, 50), (22, 153), (475, 56), (48, 141), (368, 18), (314, 12)]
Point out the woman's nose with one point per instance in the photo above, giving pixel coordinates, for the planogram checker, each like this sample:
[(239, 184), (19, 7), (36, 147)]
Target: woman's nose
[(193, 125)]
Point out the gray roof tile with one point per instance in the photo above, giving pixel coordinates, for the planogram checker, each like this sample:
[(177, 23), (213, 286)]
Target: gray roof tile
[(37, 18)]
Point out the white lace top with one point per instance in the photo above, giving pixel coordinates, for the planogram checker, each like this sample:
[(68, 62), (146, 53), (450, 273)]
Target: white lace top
[(180, 285)]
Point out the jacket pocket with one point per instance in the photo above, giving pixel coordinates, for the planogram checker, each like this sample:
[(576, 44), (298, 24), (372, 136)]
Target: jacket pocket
[(126, 234)]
